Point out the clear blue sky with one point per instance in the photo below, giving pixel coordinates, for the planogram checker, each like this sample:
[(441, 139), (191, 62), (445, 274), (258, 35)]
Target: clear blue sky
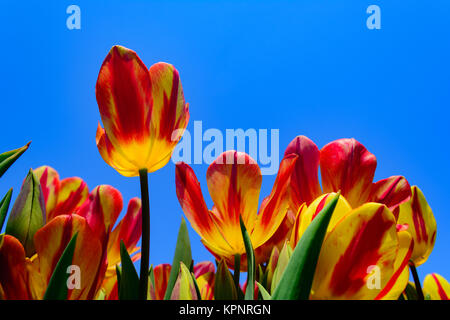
[(307, 67)]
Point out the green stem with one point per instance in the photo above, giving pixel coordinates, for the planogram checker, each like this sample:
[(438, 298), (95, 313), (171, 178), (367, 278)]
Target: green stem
[(419, 291), (237, 270), (145, 243)]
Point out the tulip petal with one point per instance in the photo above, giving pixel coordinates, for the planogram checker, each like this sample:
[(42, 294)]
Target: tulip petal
[(399, 279), (170, 113), (101, 209), (304, 183), (365, 238), (52, 239), (277, 240), (436, 287), (194, 207), (307, 215), (392, 192), (234, 182), (128, 230), (204, 273), (72, 194), (13, 273), (421, 225), (113, 156), (124, 99), (346, 165), (50, 184), (161, 274), (274, 210)]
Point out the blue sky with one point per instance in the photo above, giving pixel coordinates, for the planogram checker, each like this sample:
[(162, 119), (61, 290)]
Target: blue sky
[(305, 67)]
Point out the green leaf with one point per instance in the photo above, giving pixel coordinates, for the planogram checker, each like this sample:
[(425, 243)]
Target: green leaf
[(224, 288), (237, 275), (151, 284), (251, 269), (119, 275), (9, 157), (129, 279), (57, 288), (264, 294), (27, 214), (197, 289), (182, 254), (410, 292), (297, 279), (4, 206)]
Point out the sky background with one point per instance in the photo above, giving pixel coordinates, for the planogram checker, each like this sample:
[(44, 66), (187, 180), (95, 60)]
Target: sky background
[(304, 67)]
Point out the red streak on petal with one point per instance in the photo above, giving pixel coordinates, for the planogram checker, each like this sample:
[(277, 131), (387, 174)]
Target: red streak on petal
[(320, 206), (441, 291), (419, 223), (362, 252), (396, 274), (169, 110), (70, 205)]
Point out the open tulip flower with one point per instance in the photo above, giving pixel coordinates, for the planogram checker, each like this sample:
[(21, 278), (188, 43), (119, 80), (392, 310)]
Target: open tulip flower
[(361, 244), (143, 111), (345, 166), (234, 183), (97, 248)]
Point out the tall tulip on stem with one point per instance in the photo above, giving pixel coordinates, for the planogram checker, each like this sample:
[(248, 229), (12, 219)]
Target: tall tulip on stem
[(144, 116)]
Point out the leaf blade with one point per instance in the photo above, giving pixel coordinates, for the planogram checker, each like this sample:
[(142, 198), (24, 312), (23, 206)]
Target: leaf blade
[(182, 254), (9, 157), (55, 289), (251, 270), (297, 279), (4, 206), (129, 279)]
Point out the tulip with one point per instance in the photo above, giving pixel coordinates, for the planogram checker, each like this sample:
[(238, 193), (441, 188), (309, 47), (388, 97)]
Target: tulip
[(234, 182), (97, 247), (345, 166), (436, 287), (144, 116), (417, 215), (203, 272), (360, 244)]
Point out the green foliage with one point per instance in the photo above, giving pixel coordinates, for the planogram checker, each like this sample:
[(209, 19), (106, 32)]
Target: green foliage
[(297, 278), (182, 254), (57, 288)]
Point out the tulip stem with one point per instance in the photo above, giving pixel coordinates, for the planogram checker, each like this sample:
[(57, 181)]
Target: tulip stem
[(145, 243), (419, 291), (237, 270)]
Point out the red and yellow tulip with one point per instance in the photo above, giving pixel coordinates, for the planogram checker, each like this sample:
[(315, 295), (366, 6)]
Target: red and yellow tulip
[(204, 273), (97, 247), (417, 216), (345, 166), (359, 242), (436, 287), (143, 112), (234, 182)]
